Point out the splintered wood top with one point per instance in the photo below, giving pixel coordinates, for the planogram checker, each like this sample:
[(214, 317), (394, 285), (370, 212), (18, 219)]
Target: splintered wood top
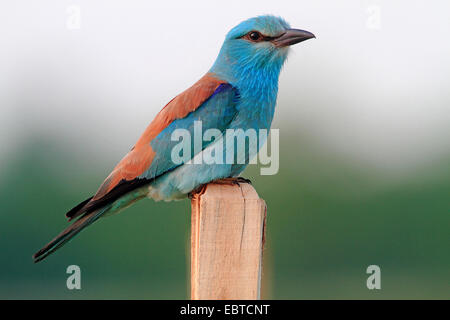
[(222, 191)]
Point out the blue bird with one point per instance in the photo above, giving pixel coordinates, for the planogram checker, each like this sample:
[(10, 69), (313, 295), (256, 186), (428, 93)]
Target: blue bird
[(238, 93)]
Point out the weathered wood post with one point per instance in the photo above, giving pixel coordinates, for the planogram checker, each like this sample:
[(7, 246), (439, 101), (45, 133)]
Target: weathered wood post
[(227, 239)]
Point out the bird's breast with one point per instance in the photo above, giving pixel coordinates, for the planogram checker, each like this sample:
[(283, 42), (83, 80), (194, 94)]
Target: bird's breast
[(257, 109)]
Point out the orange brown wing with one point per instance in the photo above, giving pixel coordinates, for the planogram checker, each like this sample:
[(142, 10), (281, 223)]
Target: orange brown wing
[(123, 177)]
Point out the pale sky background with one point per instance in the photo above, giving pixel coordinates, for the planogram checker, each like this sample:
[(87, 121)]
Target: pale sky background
[(373, 86)]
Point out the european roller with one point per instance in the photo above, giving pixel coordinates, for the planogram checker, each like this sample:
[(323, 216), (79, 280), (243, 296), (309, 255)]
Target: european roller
[(238, 92)]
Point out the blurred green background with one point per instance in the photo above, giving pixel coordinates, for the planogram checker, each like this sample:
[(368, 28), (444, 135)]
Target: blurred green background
[(327, 221), (364, 121)]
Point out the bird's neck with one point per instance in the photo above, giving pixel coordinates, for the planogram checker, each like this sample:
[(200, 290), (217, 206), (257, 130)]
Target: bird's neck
[(252, 79), (257, 83)]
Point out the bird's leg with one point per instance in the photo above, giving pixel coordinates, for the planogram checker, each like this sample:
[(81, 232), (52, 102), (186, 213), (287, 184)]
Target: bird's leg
[(231, 181), (197, 191)]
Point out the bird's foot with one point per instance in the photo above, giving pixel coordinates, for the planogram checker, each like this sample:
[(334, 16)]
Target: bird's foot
[(232, 181)]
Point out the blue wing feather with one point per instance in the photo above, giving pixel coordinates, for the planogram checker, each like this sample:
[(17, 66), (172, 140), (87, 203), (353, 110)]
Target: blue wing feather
[(216, 112)]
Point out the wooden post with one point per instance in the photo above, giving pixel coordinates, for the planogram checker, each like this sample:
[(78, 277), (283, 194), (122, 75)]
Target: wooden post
[(227, 239)]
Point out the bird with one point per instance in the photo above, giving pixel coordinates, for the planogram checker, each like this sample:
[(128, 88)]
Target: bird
[(238, 92)]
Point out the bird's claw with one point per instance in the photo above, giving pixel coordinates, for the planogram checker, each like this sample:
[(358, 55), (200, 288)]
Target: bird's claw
[(232, 181)]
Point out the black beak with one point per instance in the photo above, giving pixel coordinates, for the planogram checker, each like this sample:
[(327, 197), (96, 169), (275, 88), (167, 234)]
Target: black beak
[(292, 36)]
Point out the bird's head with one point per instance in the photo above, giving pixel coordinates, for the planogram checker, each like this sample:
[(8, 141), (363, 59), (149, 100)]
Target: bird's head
[(260, 43)]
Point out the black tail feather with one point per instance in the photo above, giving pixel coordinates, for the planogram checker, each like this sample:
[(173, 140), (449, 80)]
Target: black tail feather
[(76, 211), (68, 233)]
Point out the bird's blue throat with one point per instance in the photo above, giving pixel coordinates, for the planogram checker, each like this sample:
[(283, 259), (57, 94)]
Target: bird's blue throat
[(254, 73)]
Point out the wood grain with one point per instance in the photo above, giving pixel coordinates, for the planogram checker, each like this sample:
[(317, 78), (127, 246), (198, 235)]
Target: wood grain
[(227, 239)]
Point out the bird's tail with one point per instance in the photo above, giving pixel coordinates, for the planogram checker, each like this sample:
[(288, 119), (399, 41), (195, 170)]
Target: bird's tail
[(68, 233)]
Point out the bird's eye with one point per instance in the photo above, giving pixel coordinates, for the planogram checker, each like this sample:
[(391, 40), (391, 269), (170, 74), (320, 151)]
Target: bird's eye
[(254, 35)]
